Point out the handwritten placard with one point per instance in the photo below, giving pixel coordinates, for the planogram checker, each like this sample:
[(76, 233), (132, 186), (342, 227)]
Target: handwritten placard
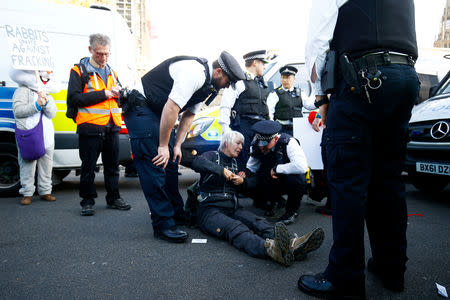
[(29, 48)]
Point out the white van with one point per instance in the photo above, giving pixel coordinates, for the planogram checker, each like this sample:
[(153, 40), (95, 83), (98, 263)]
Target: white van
[(68, 28)]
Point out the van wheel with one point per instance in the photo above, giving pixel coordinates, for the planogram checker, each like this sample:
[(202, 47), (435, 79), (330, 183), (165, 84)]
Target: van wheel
[(9, 170), (428, 183)]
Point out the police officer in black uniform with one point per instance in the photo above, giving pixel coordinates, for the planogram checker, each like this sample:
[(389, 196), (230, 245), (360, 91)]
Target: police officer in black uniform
[(179, 84), (220, 215), (245, 105), (285, 103), (277, 166), (366, 138)]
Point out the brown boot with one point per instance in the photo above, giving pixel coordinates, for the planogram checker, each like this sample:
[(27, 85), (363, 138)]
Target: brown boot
[(278, 249), (48, 197), (311, 241), (26, 200)]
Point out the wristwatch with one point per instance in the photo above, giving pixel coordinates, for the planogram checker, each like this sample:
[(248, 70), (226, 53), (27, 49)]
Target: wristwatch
[(321, 102)]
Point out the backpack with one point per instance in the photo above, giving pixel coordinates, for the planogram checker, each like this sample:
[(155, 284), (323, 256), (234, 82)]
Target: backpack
[(72, 111)]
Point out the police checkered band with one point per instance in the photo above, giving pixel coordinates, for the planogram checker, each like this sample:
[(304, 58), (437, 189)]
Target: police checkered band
[(257, 56), (223, 66), (289, 71), (266, 138)]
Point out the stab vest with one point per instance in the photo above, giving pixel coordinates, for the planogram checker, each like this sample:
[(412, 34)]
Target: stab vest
[(277, 156), (289, 104), (100, 113), (253, 100), (369, 26), (158, 84)]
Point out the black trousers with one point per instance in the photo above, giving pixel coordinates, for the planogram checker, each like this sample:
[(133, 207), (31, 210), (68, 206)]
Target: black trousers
[(244, 127), (241, 228), (365, 153), (265, 190), (90, 148), (160, 186)]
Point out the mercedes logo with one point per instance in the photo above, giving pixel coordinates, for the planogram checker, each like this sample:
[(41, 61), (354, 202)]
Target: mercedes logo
[(439, 130)]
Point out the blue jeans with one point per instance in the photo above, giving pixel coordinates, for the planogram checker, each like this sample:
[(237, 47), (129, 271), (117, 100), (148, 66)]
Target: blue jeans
[(365, 152), (160, 186)]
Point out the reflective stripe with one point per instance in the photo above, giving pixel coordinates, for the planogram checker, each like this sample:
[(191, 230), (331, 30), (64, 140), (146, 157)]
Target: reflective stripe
[(96, 81), (116, 110), (98, 111)]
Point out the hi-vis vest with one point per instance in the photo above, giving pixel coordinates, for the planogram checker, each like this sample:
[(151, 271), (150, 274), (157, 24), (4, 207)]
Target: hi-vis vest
[(99, 113)]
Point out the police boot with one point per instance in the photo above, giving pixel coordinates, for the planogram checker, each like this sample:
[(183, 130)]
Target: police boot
[(300, 246), (278, 249)]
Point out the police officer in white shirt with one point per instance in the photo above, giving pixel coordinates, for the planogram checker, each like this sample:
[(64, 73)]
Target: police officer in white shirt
[(286, 102), (242, 107), (375, 90), (177, 85)]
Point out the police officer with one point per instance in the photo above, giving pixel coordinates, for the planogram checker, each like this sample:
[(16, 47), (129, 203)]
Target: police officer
[(285, 103), (93, 89), (242, 107), (220, 215), (277, 166), (177, 85), (376, 89)]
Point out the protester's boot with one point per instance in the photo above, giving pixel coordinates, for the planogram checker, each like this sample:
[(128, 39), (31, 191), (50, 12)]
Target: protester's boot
[(278, 249), (26, 200), (301, 246)]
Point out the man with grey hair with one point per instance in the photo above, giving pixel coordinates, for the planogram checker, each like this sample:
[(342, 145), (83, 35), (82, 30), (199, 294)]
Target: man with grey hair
[(219, 213), (93, 91)]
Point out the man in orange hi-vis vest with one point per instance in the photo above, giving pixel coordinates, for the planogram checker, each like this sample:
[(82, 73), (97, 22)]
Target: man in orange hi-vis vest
[(93, 90)]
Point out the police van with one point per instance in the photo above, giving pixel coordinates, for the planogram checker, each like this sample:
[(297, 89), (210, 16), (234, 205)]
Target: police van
[(428, 151), (66, 28)]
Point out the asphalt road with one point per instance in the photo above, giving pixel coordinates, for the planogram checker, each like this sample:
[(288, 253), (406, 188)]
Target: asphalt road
[(49, 251)]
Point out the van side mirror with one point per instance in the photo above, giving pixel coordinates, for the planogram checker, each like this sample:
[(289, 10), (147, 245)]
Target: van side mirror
[(433, 91)]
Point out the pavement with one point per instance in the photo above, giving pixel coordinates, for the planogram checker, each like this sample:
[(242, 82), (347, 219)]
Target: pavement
[(49, 251)]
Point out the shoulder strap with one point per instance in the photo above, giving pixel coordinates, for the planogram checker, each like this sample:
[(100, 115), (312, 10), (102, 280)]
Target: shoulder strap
[(84, 73)]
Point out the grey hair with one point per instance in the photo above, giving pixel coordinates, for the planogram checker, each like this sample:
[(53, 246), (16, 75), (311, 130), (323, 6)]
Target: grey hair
[(98, 39), (229, 137)]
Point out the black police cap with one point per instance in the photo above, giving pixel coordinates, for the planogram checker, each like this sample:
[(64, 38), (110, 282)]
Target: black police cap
[(259, 54), (230, 67), (265, 131), (288, 70)]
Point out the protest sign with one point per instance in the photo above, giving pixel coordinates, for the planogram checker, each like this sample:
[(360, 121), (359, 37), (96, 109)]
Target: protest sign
[(29, 48)]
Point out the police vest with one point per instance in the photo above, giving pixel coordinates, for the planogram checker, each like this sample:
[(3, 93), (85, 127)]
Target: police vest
[(253, 100), (369, 26), (277, 156), (100, 113), (289, 104), (158, 84)]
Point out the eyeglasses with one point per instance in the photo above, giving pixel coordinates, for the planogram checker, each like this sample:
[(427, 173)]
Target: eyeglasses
[(102, 54)]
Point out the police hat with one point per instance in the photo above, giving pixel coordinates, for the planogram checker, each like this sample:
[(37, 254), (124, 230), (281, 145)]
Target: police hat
[(265, 131), (260, 55), (288, 70), (230, 67)]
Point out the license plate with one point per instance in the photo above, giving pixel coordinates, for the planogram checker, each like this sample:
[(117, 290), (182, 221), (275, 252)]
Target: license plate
[(439, 169)]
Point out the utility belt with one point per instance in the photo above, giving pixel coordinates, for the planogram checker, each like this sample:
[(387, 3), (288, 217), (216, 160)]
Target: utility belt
[(362, 74), (253, 117), (219, 196), (236, 118)]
